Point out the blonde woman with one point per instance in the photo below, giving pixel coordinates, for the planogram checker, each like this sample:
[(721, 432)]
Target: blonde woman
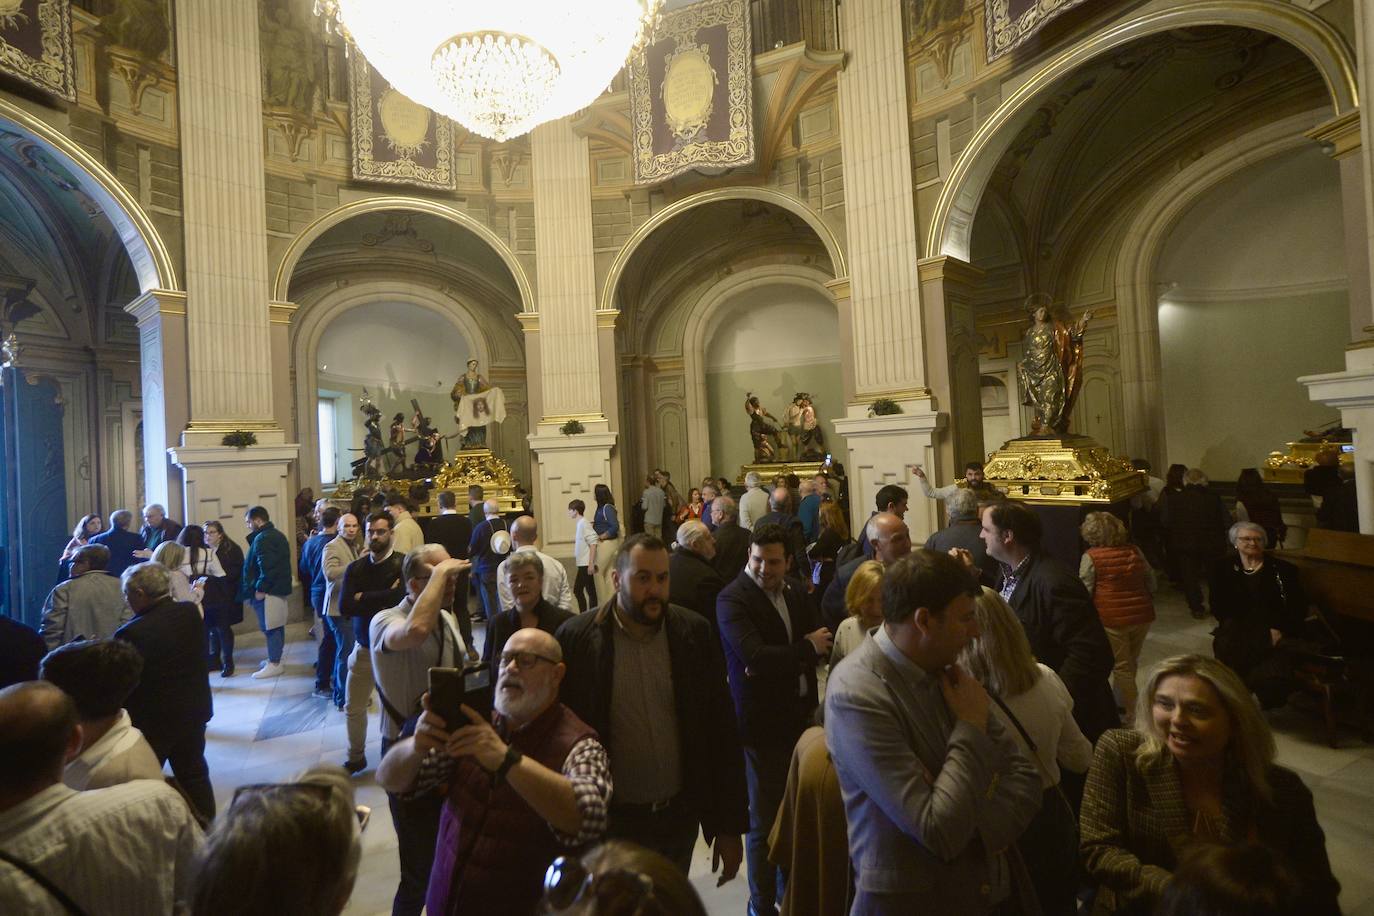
[(864, 600), (1122, 586), (1197, 767), (1035, 707), (173, 556)]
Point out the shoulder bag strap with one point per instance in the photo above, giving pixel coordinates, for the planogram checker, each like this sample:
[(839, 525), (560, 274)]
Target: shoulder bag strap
[(42, 881), (1035, 757)]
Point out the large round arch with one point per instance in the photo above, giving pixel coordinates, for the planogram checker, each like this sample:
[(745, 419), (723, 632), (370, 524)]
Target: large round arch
[(281, 287), (686, 204), (951, 227), (152, 263)]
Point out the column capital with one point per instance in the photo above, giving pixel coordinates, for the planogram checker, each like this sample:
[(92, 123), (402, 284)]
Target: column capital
[(529, 321), (839, 288), (1339, 137), (606, 318), (279, 312), (948, 267), (155, 303)]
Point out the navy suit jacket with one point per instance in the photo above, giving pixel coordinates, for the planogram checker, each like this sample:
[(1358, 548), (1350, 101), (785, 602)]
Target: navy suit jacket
[(764, 666)]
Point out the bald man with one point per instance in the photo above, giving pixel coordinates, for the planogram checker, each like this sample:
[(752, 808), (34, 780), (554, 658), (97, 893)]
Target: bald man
[(524, 534), (890, 540), (79, 841)]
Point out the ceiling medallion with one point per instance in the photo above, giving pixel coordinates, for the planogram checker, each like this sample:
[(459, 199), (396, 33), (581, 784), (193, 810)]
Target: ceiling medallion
[(504, 67)]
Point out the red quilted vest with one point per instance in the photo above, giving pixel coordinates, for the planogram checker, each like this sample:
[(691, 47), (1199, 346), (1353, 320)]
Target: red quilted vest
[(1121, 596), (493, 848)]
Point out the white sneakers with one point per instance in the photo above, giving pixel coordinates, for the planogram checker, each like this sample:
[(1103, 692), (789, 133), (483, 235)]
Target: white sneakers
[(269, 669)]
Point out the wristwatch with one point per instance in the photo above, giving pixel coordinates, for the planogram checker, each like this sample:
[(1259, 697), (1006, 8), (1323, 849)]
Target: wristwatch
[(512, 758)]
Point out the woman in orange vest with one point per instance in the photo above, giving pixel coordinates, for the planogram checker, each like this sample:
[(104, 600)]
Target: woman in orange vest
[(1122, 584)]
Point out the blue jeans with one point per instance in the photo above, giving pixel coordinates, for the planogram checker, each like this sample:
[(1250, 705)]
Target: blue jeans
[(765, 771), (486, 591), (342, 628), (276, 637), (417, 831)]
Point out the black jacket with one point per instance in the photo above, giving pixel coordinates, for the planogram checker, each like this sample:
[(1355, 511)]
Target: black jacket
[(1065, 633), (712, 764), (1196, 521), (694, 583), (966, 534), (796, 550), (732, 550), (174, 692), (374, 582), (833, 610), (505, 624), (764, 664), (454, 531)]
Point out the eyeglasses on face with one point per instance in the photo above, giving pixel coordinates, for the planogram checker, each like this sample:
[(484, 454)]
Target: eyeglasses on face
[(524, 660), (320, 790), (568, 882)]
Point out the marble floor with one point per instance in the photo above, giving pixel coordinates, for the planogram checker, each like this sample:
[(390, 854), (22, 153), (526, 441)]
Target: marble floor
[(266, 731)]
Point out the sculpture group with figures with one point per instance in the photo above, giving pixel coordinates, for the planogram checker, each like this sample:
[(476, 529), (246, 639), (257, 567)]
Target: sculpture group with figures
[(797, 438)]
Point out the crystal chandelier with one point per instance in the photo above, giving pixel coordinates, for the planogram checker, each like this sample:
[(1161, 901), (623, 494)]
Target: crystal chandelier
[(500, 67)]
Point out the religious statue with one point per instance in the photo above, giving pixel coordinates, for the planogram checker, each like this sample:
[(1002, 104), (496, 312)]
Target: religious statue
[(763, 433), (396, 450), (810, 441), (370, 465), (430, 451), (140, 26), (476, 404), (290, 77), (1051, 366)]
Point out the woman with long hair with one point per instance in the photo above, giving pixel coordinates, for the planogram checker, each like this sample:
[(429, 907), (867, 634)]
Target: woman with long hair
[(606, 524), (1197, 767), (201, 562), (692, 508), (1255, 502), (87, 528), (833, 536), (1035, 707), (221, 610), (1122, 584), (863, 598), (173, 556)]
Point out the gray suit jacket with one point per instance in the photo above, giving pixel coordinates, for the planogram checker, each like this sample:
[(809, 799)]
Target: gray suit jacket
[(932, 802), (90, 606)]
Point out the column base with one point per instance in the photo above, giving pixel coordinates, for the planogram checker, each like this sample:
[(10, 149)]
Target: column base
[(881, 452), (1352, 393), (568, 468)]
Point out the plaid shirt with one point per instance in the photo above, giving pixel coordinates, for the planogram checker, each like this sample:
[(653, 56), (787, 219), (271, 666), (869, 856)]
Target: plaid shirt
[(587, 767), (1012, 577)]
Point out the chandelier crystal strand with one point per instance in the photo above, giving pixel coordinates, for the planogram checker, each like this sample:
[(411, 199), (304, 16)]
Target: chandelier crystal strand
[(504, 67)]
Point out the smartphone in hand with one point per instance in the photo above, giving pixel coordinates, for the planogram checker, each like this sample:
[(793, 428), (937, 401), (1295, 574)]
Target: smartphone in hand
[(447, 695)]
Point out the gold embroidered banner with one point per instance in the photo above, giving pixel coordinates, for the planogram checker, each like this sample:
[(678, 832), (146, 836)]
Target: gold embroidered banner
[(395, 140), (1011, 22), (36, 44), (692, 93)]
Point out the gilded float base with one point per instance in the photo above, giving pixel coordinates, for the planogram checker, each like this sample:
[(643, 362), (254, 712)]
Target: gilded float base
[(473, 467), (1290, 467), (768, 471), (1062, 469)]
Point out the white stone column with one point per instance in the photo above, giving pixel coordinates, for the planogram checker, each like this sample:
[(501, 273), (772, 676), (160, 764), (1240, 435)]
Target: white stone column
[(565, 330), (1352, 393), (230, 352), (886, 350), (161, 319), (1364, 47)]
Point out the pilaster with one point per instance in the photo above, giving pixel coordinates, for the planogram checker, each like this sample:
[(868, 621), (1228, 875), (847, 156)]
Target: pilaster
[(881, 452), (1361, 243), (568, 468), (161, 318), (880, 212), (947, 288), (1352, 393), (1340, 139)]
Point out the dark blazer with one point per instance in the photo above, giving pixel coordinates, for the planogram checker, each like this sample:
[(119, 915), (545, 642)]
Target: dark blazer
[(21, 649), (764, 664), (479, 545), (966, 534), (167, 531), (174, 692), (712, 763), (732, 550), (121, 542), (833, 610), (693, 583), (1065, 633), (454, 531), (1134, 818), (505, 624), (801, 567)]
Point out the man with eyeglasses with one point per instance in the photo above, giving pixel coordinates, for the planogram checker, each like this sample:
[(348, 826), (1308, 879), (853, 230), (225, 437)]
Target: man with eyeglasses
[(407, 640), (519, 791), (650, 677)]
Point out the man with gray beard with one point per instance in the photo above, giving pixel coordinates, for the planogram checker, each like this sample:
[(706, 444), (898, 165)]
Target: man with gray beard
[(530, 786)]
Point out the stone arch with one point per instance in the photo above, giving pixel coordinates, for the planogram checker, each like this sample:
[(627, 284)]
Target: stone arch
[(152, 262), (281, 286), (952, 223), (315, 316), (686, 204), (1141, 246)]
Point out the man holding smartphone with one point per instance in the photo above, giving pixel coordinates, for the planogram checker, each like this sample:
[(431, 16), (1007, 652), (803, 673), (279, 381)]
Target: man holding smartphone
[(407, 640)]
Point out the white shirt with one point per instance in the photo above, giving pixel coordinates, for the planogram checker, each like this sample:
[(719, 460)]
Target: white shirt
[(125, 849), (121, 755), (404, 675), (1046, 712), (557, 591), (583, 541), (780, 605)]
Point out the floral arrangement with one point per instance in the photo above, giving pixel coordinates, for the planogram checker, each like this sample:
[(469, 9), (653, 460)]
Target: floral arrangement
[(572, 428), (239, 438), (884, 407)]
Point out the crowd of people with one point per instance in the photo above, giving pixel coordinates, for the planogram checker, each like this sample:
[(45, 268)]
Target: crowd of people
[(856, 724)]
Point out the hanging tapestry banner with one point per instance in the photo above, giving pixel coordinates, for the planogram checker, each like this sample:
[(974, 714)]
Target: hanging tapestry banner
[(692, 93), (395, 140), (1011, 22), (36, 44)]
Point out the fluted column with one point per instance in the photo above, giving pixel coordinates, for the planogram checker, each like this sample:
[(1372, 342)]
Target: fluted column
[(880, 212), (219, 90), (570, 378)]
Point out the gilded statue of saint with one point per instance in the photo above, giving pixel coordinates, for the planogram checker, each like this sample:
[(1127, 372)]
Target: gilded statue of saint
[(1051, 367)]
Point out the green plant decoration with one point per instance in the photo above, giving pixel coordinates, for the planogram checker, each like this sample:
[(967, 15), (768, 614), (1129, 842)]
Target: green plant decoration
[(239, 438), (572, 428), (884, 407)]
